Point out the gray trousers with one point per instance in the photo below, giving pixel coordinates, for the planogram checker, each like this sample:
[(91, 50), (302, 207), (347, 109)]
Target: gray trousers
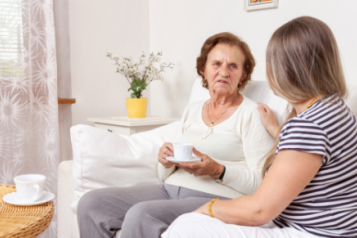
[(140, 212)]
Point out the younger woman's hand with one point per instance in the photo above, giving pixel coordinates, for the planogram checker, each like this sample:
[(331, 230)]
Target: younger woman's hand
[(166, 150), (268, 119)]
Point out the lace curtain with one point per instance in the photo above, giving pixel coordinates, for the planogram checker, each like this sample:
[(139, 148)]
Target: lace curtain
[(29, 138)]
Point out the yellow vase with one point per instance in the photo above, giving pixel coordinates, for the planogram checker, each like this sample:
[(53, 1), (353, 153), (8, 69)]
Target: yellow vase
[(136, 107)]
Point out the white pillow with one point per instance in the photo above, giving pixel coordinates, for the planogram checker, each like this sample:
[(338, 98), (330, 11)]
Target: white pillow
[(198, 93), (103, 159), (259, 91)]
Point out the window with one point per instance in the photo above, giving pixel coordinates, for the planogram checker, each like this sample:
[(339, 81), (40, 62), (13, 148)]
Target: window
[(11, 39)]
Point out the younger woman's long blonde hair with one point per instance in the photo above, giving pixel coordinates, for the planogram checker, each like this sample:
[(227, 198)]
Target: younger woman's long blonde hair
[(303, 62)]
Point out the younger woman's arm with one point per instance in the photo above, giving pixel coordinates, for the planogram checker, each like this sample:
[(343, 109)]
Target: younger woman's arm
[(290, 173)]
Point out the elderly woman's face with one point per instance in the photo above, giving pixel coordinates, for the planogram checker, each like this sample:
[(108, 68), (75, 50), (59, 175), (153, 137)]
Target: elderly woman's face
[(224, 68)]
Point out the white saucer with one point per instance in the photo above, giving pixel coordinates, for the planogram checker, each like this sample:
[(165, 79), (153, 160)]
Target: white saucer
[(173, 159), (14, 200)]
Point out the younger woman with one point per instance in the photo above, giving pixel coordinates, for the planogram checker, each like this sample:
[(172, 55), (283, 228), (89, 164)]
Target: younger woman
[(310, 183)]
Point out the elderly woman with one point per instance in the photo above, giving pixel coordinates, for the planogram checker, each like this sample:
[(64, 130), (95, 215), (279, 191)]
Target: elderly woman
[(228, 136), (309, 189)]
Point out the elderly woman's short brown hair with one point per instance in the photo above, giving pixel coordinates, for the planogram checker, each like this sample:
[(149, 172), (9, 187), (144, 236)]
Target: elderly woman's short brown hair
[(232, 40)]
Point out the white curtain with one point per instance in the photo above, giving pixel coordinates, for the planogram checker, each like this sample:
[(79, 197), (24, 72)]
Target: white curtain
[(29, 137)]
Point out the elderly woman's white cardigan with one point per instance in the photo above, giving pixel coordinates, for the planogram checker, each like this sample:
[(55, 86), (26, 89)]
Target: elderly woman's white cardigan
[(240, 143)]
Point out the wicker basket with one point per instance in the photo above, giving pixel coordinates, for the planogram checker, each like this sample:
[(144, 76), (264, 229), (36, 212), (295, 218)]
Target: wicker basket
[(23, 221)]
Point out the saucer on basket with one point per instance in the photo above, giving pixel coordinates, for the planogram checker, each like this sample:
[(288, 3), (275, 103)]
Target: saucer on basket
[(13, 199), (173, 159)]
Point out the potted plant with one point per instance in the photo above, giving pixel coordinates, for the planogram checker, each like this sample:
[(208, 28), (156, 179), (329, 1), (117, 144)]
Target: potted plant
[(139, 76)]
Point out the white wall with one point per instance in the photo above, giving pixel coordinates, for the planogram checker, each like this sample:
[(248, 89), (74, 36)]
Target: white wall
[(97, 27), (180, 27)]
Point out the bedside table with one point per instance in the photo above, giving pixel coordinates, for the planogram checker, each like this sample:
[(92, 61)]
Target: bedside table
[(128, 126)]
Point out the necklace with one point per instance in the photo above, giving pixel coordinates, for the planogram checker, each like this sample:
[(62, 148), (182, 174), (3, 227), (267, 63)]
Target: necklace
[(213, 121), (311, 102)]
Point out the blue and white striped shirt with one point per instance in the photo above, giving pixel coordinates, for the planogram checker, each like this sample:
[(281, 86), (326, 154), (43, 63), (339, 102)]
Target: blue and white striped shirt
[(327, 207)]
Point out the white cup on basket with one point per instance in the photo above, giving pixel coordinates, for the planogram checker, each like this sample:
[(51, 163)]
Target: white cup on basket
[(29, 187), (183, 151)]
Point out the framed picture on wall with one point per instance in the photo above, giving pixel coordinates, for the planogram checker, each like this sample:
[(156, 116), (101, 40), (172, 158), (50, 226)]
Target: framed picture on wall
[(250, 5)]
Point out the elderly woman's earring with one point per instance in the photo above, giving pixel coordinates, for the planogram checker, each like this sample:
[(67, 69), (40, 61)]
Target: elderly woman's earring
[(239, 88), (205, 83)]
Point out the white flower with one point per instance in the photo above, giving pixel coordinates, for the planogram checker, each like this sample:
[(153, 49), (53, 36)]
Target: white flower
[(147, 69), (40, 110), (48, 148), (8, 173), (17, 84), (148, 79), (19, 157), (4, 145), (45, 75), (10, 110)]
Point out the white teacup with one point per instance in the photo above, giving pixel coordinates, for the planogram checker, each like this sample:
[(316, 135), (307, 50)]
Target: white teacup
[(29, 187), (183, 151)]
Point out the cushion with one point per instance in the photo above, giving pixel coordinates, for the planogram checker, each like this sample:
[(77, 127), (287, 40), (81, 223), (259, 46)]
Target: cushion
[(103, 159), (259, 91), (198, 92)]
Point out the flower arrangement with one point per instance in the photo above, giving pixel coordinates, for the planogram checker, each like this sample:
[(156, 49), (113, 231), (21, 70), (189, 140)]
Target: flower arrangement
[(141, 74)]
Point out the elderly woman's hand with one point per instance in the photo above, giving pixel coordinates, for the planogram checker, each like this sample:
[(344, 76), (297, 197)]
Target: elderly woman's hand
[(268, 119), (207, 166), (165, 151)]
